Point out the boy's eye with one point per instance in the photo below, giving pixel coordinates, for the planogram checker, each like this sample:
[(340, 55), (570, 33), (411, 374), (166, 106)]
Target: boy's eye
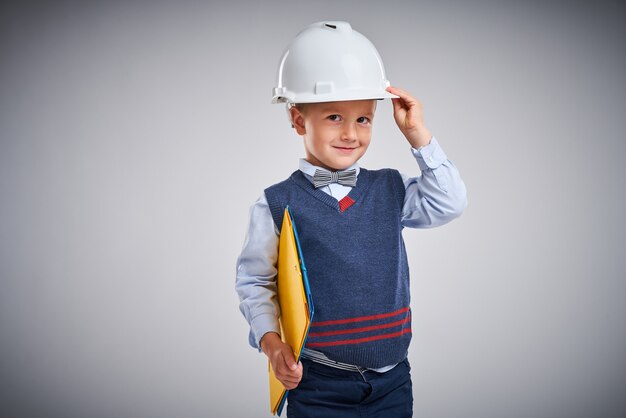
[(334, 117), (363, 119)]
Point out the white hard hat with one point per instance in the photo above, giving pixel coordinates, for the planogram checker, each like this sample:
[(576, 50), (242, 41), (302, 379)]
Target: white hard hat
[(328, 62)]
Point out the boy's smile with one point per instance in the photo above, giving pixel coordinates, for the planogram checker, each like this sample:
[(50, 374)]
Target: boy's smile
[(336, 134)]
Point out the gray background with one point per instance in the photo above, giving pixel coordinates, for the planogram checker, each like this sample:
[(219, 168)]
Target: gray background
[(119, 227)]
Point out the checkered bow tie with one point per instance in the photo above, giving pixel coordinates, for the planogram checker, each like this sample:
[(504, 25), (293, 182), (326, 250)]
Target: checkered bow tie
[(323, 177)]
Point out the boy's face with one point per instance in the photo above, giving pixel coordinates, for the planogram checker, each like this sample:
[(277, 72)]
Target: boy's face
[(336, 134)]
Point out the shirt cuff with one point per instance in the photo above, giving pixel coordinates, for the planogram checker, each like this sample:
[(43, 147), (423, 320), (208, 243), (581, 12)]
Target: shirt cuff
[(261, 325), (429, 156)]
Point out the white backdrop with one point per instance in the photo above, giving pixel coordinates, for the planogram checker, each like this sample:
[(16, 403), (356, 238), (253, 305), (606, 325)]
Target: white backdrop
[(120, 224)]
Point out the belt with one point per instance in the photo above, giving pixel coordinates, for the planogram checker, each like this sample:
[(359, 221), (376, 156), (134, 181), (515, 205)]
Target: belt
[(321, 358)]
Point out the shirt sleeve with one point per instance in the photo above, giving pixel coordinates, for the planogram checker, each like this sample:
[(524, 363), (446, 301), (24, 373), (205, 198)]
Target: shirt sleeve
[(438, 195), (256, 273)]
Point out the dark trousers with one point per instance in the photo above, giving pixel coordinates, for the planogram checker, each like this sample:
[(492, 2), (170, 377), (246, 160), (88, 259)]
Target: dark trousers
[(327, 392)]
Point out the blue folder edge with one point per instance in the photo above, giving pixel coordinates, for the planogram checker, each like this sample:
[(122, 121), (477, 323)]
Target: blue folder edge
[(307, 291)]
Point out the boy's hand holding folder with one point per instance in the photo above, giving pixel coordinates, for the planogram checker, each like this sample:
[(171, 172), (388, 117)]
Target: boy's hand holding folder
[(287, 371), (296, 306)]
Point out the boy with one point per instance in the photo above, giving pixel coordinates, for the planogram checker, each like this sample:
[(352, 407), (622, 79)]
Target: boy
[(350, 223)]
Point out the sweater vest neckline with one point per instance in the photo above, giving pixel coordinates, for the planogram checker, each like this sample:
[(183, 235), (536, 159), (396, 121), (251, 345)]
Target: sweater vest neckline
[(362, 184)]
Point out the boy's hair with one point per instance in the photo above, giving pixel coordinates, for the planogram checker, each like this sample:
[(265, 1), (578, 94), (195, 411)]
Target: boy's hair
[(302, 107)]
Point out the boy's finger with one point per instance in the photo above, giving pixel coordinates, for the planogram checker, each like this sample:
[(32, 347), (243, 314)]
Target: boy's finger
[(291, 379), (290, 360), (287, 376), (396, 104), (299, 370), (399, 104), (404, 95), (398, 91)]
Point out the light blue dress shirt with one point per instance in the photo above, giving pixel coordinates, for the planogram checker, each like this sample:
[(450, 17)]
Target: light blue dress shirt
[(433, 198)]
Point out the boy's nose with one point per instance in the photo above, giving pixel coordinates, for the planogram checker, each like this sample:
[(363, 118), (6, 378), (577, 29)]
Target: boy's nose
[(349, 132)]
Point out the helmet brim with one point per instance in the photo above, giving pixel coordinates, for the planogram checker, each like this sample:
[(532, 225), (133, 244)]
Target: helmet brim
[(343, 96)]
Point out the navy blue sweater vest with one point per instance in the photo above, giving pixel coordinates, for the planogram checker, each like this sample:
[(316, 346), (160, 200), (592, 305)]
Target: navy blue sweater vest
[(357, 265)]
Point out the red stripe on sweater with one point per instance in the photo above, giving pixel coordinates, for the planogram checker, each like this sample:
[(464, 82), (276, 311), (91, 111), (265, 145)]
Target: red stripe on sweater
[(360, 318), (362, 329), (345, 203), (360, 340)]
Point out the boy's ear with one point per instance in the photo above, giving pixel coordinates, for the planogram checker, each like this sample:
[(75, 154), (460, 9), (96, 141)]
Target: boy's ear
[(297, 120)]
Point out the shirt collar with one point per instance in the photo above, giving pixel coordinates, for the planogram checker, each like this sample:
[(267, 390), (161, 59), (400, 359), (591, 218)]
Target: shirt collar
[(309, 169)]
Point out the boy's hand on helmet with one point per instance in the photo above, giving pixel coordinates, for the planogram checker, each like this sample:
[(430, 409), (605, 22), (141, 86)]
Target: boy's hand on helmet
[(409, 116)]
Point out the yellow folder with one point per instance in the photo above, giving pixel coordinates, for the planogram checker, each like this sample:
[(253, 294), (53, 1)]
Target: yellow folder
[(296, 305)]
